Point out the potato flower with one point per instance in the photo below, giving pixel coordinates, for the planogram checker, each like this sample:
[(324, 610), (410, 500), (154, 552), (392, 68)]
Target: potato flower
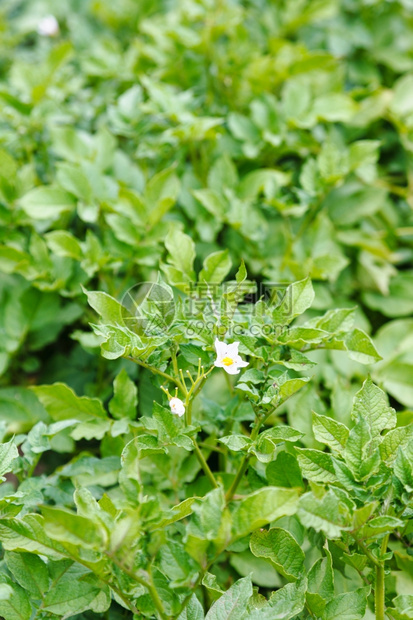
[(48, 26), (177, 406), (228, 357)]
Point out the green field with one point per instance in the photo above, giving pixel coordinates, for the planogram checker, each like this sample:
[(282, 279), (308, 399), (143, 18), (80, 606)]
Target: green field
[(206, 309)]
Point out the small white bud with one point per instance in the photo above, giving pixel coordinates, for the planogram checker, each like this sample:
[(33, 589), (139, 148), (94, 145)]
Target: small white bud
[(177, 406), (48, 26)]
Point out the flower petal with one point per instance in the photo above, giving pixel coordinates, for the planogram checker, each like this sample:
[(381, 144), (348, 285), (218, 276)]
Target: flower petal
[(231, 370), (240, 362), (232, 349), (221, 348)]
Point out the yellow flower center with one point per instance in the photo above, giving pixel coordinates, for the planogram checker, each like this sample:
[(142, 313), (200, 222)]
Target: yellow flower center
[(227, 361)]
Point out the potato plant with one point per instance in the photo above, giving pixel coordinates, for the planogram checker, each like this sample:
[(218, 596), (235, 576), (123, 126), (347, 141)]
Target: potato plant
[(206, 370)]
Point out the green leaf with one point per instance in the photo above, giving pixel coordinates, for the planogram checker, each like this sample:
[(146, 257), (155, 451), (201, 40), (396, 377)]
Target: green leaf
[(28, 534), (360, 347), (281, 548), (320, 587), (347, 606), (284, 471), (262, 507), (29, 571), (316, 466), (371, 404), (241, 274), (111, 311), (233, 603), (169, 426), (285, 603), (379, 526), (403, 609), (125, 397), (193, 610), (236, 443), (327, 514), (355, 560), (178, 512), (290, 387), (398, 301), (330, 432), (76, 591), (261, 571), (215, 267), (176, 564), (209, 515), (63, 243), (393, 440), (269, 440), (161, 194), (209, 581), (297, 298), (17, 604), (402, 101), (403, 468), (44, 203), (212, 201), (61, 403), (361, 454), (222, 174), (181, 250), (8, 452), (68, 527), (340, 319)]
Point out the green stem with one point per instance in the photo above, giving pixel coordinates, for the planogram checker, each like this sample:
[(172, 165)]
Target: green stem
[(188, 413), (240, 473), (33, 466), (204, 465), (175, 363), (147, 583), (229, 384), (155, 597), (366, 551), (380, 591), (158, 372), (244, 463)]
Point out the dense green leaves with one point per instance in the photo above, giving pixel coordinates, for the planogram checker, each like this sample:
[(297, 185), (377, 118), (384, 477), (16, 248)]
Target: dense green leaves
[(173, 174)]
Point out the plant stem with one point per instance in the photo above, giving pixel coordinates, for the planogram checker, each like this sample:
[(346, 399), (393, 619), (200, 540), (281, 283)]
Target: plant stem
[(366, 551), (33, 466), (379, 592), (175, 363), (188, 412), (240, 473), (229, 384), (147, 583), (158, 372), (155, 597), (244, 463), (205, 465)]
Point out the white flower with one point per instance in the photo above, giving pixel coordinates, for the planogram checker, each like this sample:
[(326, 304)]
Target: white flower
[(48, 26), (177, 406), (228, 358)]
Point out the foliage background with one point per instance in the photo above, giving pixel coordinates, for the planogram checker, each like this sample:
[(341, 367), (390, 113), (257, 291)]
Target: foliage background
[(277, 132)]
